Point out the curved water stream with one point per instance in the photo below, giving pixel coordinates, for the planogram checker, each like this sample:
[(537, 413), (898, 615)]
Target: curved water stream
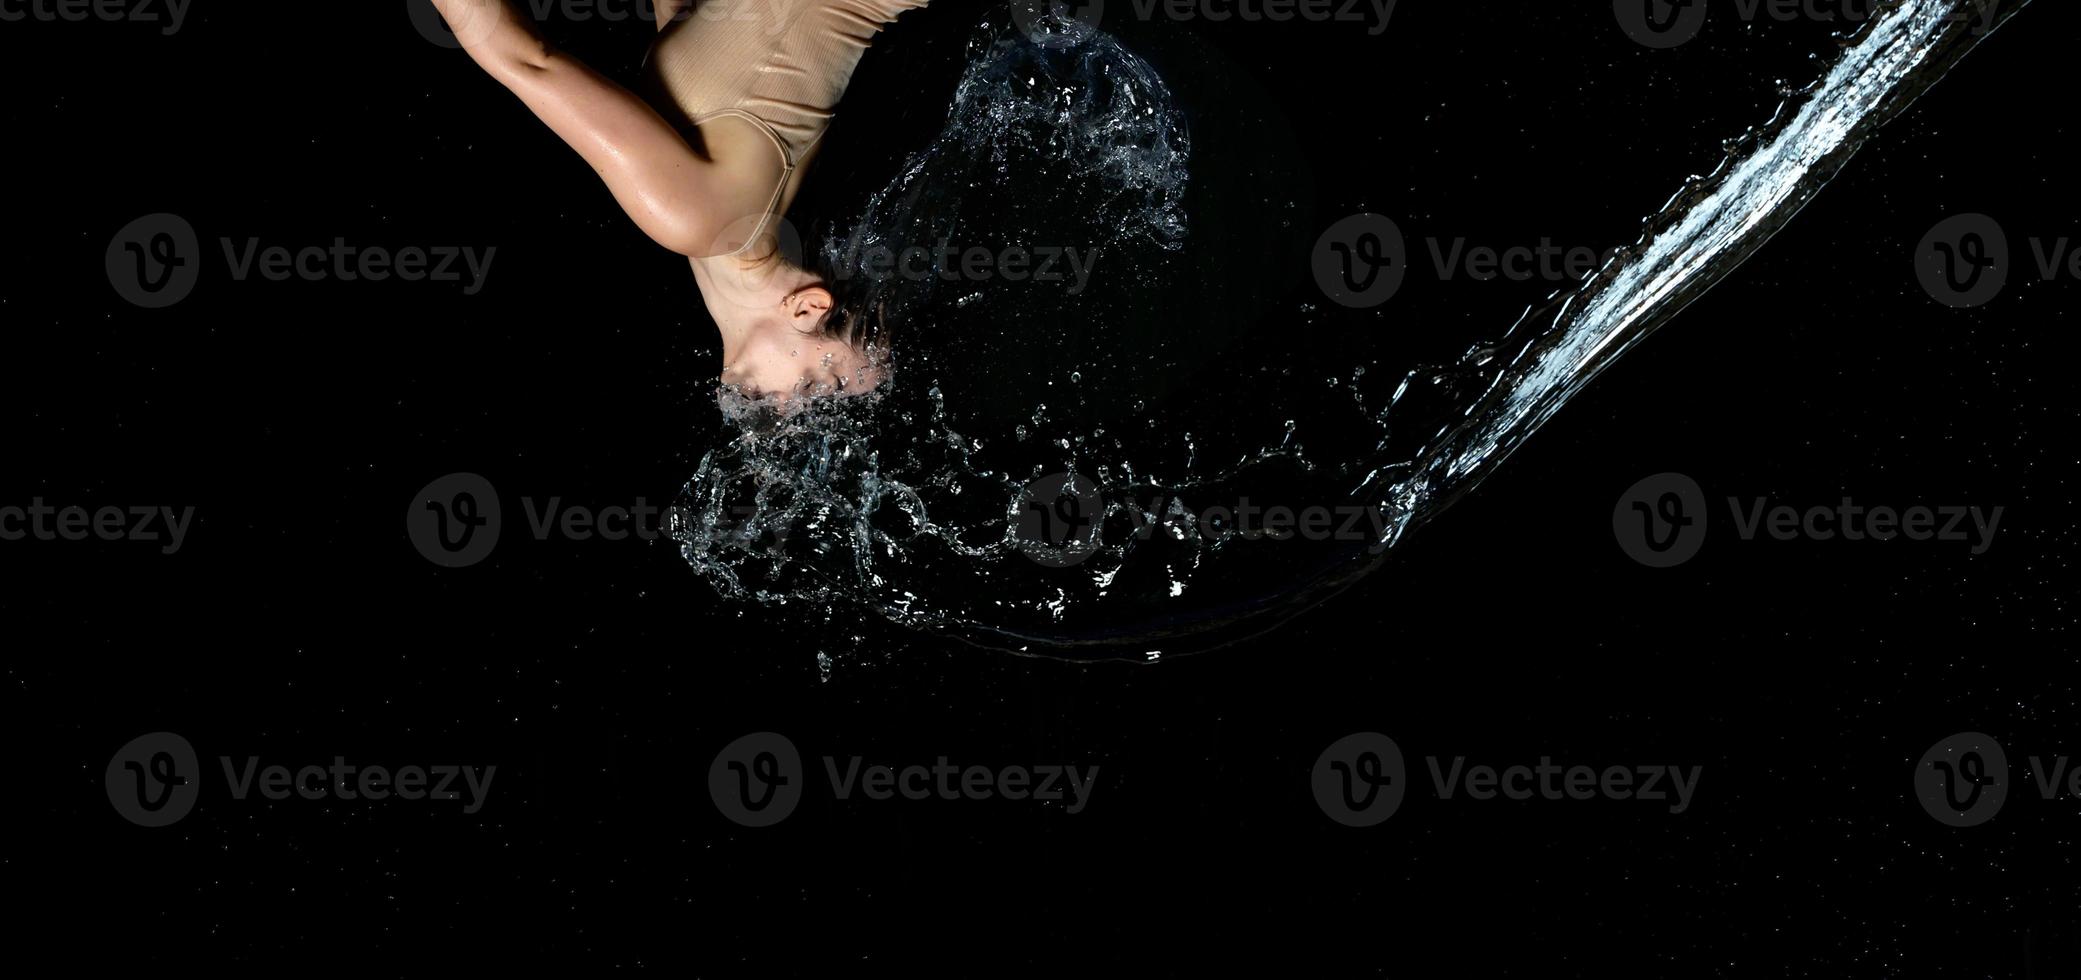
[(1031, 506)]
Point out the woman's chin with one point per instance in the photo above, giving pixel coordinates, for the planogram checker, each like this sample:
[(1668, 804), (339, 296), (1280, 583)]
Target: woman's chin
[(740, 387)]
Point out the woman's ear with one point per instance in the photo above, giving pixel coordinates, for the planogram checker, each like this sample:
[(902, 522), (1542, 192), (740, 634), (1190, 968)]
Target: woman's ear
[(808, 305)]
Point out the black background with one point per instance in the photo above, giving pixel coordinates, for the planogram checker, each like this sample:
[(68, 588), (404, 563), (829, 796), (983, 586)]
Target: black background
[(298, 623)]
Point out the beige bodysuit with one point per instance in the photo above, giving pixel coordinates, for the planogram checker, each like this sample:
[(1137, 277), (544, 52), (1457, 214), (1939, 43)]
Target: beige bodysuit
[(780, 65)]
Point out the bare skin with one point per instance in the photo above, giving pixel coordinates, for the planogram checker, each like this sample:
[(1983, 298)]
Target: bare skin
[(697, 201)]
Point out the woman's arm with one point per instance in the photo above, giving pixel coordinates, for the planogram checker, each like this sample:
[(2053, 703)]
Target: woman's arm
[(667, 10), (675, 195)]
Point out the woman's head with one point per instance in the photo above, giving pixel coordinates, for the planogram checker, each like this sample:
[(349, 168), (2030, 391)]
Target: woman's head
[(792, 353), (784, 333)]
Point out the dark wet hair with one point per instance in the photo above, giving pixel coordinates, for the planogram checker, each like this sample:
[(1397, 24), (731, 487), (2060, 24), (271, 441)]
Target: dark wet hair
[(864, 307), (859, 306)]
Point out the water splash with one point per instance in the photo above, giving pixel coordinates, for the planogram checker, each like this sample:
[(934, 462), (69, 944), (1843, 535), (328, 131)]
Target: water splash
[(1708, 229), (914, 504)]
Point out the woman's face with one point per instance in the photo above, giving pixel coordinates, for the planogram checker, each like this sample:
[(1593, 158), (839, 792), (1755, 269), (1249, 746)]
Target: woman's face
[(780, 360)]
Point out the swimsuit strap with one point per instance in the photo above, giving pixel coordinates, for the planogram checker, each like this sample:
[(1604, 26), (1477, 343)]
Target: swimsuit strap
[(787, 166)]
